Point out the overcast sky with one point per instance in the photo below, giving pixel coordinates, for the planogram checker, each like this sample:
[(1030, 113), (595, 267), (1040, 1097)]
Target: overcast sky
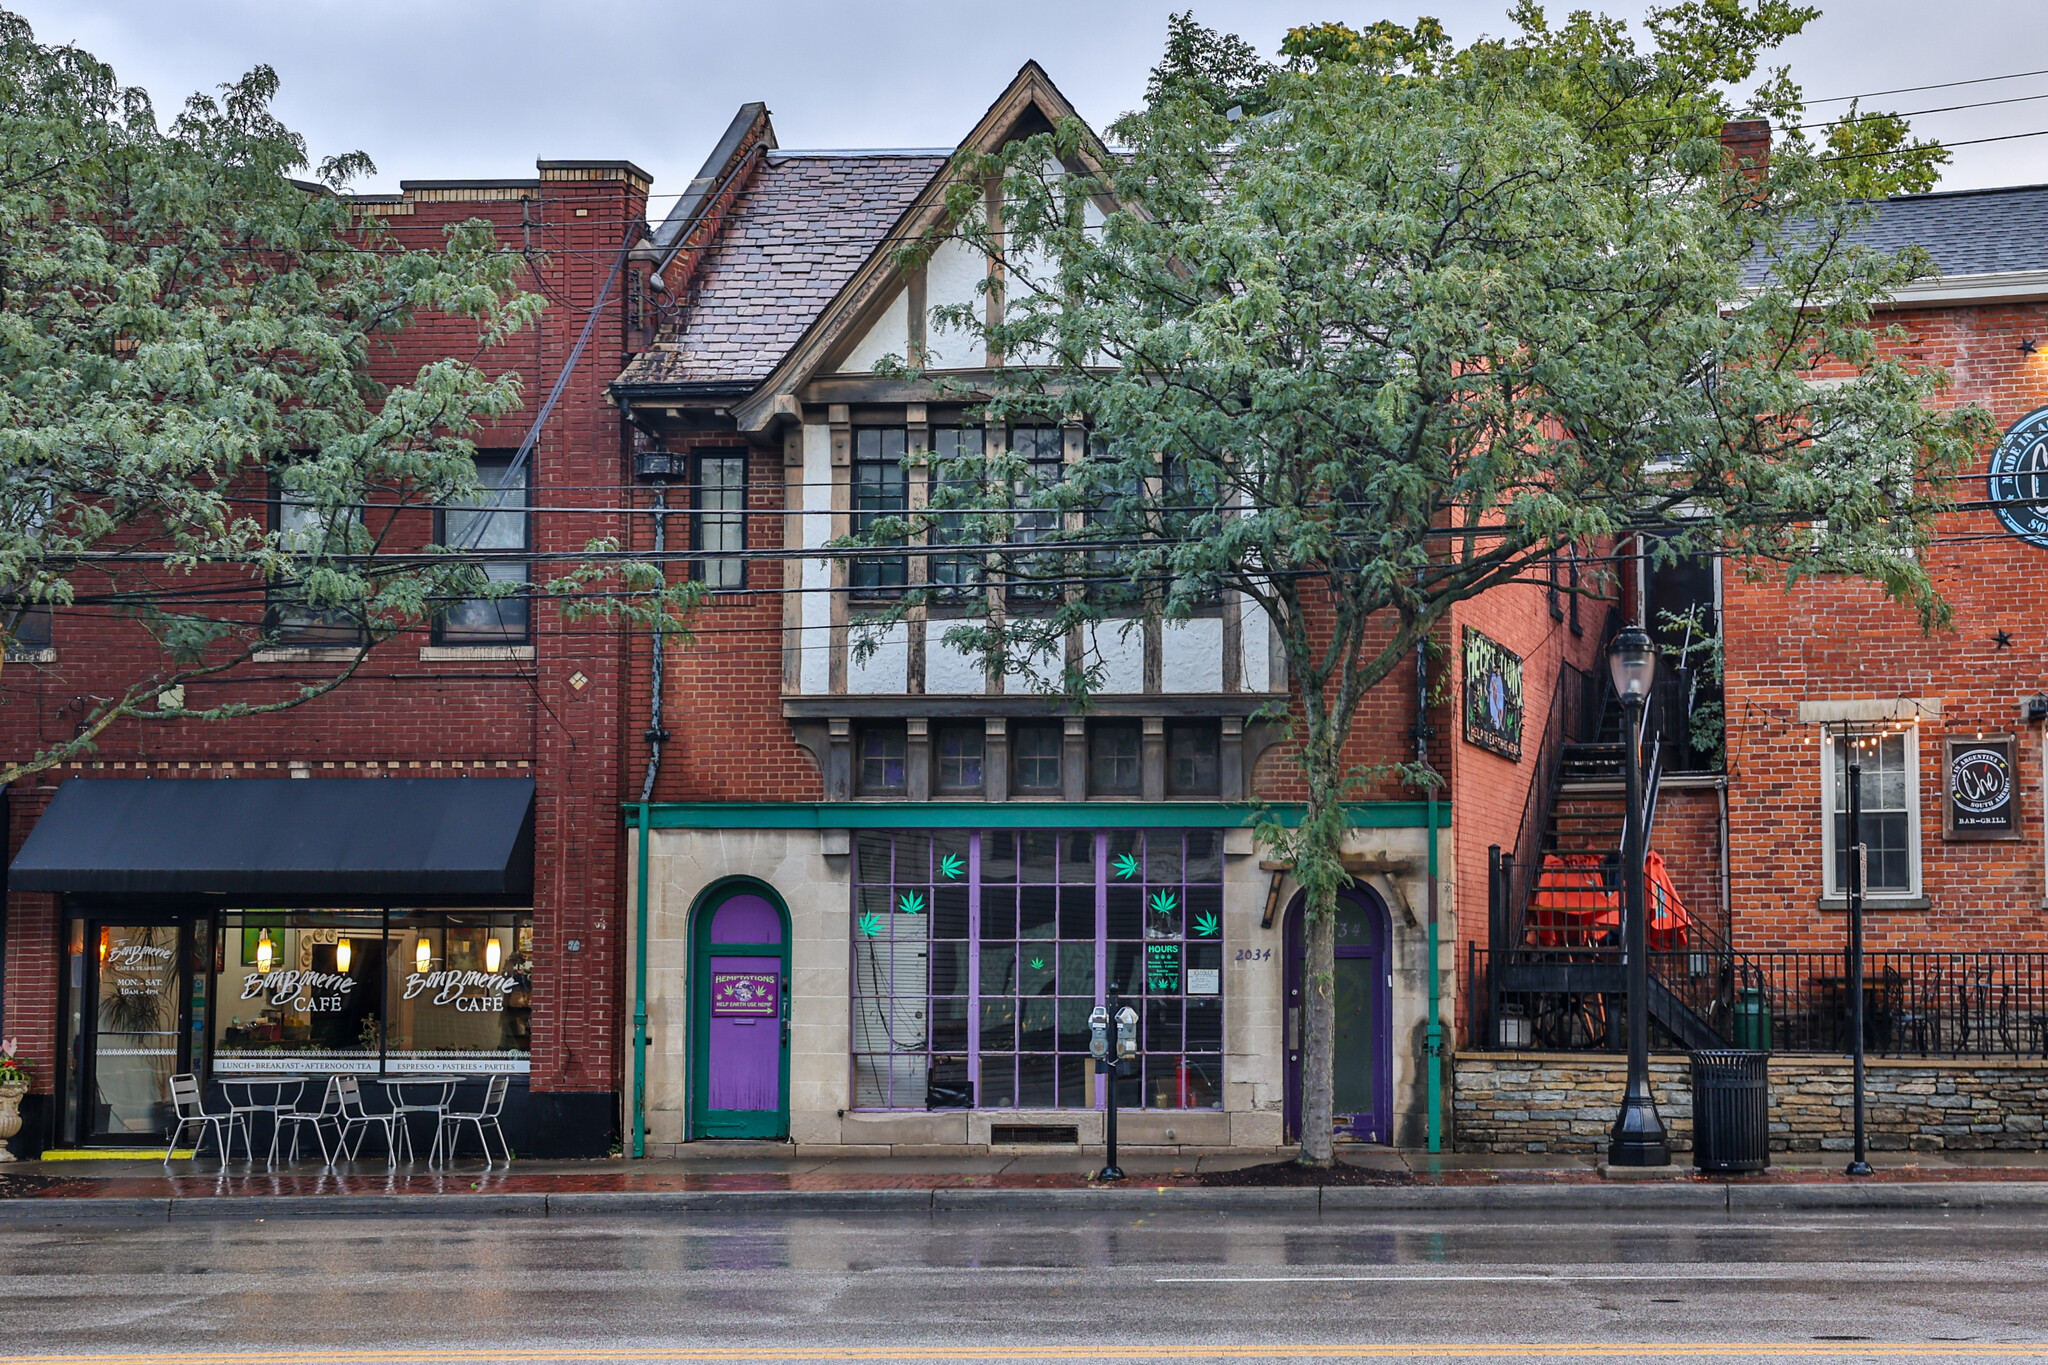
[(442, 89)]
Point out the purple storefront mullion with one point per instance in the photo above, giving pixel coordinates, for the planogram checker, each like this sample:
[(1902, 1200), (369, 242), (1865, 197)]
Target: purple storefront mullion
[(974, 968), (1101, 1095)]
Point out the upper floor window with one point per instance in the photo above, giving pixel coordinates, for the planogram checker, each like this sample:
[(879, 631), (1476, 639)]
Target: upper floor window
[(956, 456), (880, 491), (883, 761), (1890, 810), (1115, 759), (498, 528), (1192, 748), (961, 749), (1035, 758), (1043, 453), (311, 532), (718, 527)]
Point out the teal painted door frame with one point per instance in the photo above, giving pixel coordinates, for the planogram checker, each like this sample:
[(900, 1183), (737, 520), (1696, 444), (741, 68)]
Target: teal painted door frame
[(706, 1122)]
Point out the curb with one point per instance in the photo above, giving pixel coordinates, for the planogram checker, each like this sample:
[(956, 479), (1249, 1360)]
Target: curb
[(1730, 1200)]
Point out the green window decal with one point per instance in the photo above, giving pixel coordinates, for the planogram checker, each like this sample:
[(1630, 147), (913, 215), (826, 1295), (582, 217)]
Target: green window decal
[(911, 904), (1205, 926), (1037, 964), (951, 866), (1163, 902), (1126, 865), (869, 924)]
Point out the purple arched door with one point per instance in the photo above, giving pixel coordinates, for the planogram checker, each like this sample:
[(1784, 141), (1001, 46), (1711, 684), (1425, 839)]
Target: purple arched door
[(741, 1085), (1363, 1063)]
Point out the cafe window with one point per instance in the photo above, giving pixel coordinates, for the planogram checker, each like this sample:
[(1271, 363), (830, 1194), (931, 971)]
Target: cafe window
[(371, 991), (1035, 758), (961, 749), (977, 958), (1115, 759), (1890, 822), (884, 751), (1191, 754), (497, 525)]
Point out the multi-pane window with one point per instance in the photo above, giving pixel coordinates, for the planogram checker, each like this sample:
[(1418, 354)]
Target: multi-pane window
[(1043, 453), (310, 532), (880, 492), (1035, 758), (977, 959), (956, 453), (1191, 752), (497, 526), (960, 756), (718, 528), (1890, 807), (1115, 759), (883, 760)]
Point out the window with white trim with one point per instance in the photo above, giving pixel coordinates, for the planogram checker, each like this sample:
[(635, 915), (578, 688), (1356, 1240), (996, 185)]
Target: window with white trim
[(1890, 809)]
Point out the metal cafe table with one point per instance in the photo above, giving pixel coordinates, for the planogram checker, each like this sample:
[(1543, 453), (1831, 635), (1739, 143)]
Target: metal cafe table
[(420, 1092), (269, 1093)]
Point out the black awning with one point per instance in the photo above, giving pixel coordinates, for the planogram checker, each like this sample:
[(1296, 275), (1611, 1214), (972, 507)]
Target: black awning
[(288, 840)]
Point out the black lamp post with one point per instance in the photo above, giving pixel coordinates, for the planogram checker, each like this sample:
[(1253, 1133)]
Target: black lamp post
[(1859, 863), (1637, 1138)]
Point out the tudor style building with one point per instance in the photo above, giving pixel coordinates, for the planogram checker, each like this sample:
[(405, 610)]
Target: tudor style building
[(877, 896)]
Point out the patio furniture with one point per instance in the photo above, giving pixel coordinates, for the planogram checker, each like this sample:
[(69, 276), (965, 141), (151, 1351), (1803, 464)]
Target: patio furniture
[(420, 1092), (299, 1119), (484, 1117), (358, 1120), (256, 1093), (191, 1107)]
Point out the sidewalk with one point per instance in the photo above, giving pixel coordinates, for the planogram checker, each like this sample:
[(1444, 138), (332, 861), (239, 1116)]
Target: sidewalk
[(769, 1178)]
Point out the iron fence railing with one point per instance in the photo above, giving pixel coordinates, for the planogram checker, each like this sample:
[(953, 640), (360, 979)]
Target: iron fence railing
[(1916, 1003)]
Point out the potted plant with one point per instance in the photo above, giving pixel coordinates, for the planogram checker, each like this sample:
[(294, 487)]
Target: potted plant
[(14, 1079)]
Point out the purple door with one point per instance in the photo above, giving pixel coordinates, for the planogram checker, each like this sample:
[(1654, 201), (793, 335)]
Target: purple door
[(741, 1021), (1363, 1056)]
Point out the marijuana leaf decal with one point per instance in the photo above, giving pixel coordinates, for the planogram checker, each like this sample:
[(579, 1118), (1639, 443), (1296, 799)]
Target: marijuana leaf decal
[(1205, 924), (1037, 964), (911, 904), (1126, 865), (869, 923), (951, 866), (1163, 902)]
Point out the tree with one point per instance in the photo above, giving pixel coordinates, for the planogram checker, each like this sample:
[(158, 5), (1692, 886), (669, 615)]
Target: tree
[(183, 328), (1434, 317)]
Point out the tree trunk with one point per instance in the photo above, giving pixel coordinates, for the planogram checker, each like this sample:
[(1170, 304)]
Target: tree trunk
[(1319, 1032)]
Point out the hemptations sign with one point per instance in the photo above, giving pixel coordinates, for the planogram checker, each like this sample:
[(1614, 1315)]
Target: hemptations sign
[(1980, 797), (2019, 478)]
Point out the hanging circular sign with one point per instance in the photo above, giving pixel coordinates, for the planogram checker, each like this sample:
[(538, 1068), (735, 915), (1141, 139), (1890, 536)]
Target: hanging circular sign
[(2019, 478), (1980, 781)]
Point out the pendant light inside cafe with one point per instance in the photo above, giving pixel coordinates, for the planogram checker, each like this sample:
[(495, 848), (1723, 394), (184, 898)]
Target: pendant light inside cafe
[(423, 955), (266, 952)]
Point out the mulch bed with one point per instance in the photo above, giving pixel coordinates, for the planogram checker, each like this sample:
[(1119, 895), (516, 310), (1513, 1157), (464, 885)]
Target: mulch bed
[(1296, 1174)]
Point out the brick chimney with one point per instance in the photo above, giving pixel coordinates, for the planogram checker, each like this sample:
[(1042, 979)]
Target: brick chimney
[(1746, 147)]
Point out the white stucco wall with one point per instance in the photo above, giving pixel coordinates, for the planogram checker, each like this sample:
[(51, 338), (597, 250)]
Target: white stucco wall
[(886, 672), (1121, 654), (889, 336), (953, 276), (1191, 655), (946, 669), (815, 671)]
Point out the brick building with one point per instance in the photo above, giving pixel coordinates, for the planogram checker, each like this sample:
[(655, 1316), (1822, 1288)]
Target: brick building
[(182, 904)]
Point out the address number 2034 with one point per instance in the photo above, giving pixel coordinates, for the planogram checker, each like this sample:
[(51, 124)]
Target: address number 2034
[(1253, 955)]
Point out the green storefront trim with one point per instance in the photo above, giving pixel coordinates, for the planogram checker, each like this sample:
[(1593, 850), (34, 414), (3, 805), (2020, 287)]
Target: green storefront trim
[(1007, 814)]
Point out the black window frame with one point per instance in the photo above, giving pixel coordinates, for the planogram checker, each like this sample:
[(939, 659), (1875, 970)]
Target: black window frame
[(878, 487), (1027, 528), (310, 633), (1197, 788), (503, 570), (1127, 735), (865, 738), (1047, 741), (731, 567), (959, 578)]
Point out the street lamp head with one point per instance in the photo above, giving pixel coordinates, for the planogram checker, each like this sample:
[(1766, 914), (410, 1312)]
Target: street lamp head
[(1632, 662)]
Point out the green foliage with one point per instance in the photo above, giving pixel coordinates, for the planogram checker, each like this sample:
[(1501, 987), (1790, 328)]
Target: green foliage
[(1207, 72), (186, 331), (1876, 155)]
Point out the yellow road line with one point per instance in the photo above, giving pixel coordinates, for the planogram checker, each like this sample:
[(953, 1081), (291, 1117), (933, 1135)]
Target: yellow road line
[(1464, 1350)]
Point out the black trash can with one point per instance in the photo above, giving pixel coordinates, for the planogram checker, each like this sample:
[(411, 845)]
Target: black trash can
[(1731, 1112)]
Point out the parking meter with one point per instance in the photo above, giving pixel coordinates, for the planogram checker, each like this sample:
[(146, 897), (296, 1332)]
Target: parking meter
[(1098, 1033), (1111, 1060), (1126, 1032)]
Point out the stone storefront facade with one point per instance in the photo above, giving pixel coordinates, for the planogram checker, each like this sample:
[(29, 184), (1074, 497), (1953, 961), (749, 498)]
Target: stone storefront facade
[(1565, 1102)]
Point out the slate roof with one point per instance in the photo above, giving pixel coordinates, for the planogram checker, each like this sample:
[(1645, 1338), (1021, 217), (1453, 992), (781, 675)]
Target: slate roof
[(1968, 232), (801, 228)]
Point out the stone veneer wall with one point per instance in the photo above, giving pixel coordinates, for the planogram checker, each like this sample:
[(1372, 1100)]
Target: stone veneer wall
[(1564, 1102)]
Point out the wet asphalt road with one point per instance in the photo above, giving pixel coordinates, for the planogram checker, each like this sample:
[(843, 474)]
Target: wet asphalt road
[(1027, 1287)]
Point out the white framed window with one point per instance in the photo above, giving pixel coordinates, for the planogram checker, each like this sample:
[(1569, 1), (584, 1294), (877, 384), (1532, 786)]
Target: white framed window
[(1889, 758)]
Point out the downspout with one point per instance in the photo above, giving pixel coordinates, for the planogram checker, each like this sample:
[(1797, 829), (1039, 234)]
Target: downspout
[(1434, 1037), (655, 735)]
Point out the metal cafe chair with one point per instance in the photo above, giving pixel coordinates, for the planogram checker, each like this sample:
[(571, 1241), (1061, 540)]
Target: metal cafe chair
[(484, 1116), (358, 1120), (192, 1110), (300, 1118)]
